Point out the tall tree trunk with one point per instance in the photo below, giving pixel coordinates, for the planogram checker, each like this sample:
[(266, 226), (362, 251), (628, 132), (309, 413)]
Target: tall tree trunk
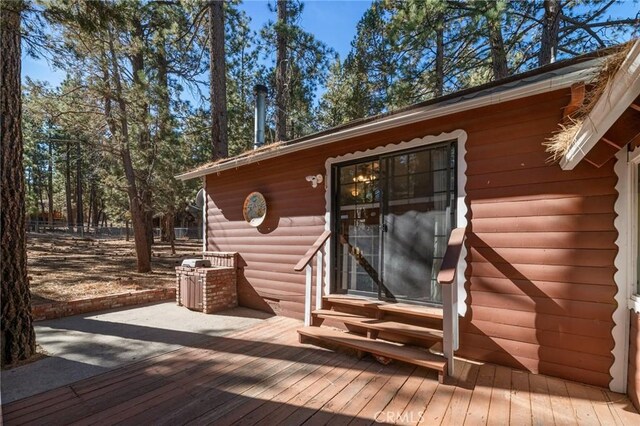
[(67, 186), (281, 71), (170, 218), (439, 89), (79, 202), (217, 80), (496, 41), (50, 184), (136, 204), (18, 339), (142, 111), (95, 208), (550, 30)]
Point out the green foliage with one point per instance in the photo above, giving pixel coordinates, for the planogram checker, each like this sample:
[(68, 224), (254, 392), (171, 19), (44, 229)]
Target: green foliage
[(404, 51), (308, 64)]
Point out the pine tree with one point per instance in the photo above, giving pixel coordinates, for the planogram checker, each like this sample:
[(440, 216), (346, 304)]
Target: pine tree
[(18, 337)]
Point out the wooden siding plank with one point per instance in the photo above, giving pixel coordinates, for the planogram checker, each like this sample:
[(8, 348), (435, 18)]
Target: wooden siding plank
[(585, 361), (560, 324), (543, 191), (598, 204), (545, 338), (550, 240), (566, 223), (577, 275), (550, 289), (544, 305), (562, 257), (538, 175)]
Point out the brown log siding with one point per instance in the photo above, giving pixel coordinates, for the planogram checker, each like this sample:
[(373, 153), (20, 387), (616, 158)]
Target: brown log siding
[(541, 241)]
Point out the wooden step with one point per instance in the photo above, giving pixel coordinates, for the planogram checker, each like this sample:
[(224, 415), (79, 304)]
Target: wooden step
[(381, 325), (389, 350), (352, 301), (412, 310)]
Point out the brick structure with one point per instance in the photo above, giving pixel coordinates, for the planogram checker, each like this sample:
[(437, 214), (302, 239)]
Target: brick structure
[(45, 311), (208, 289)]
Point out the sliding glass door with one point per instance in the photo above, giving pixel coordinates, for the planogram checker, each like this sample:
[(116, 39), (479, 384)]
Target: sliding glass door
[(394, 214)]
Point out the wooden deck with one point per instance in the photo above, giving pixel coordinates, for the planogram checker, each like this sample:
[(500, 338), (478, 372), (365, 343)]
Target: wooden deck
[(263, 374)]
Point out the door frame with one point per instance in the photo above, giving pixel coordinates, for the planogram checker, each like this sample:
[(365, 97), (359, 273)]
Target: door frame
[(458, 135)]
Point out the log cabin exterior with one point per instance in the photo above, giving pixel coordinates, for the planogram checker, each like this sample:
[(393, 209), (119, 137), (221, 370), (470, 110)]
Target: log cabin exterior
[(547, 278)]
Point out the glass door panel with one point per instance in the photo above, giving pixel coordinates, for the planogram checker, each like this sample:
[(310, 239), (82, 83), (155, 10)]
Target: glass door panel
[(358, 242), (394, 217)]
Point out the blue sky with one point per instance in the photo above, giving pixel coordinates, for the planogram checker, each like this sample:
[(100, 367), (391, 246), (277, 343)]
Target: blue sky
[(331, 21)]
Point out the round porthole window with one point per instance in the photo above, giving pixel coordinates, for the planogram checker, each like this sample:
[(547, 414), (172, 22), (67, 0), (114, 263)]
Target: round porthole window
[(254, 209)]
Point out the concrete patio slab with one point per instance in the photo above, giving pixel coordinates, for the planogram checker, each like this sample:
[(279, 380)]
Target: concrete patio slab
[(86, 345)]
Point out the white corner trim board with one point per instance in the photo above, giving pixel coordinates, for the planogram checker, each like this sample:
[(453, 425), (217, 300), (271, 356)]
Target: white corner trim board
[(624, 208), (461, 207), (617, 96)]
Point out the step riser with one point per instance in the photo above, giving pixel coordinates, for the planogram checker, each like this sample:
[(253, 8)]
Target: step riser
[(378, 329), (380, 310), (329, 339)]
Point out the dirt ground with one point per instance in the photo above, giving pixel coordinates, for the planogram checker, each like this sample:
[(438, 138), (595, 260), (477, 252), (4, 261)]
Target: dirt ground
[(63, 267)]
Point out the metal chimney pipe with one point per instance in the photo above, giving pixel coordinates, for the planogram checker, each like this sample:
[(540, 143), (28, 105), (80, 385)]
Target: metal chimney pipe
[(260, 115)]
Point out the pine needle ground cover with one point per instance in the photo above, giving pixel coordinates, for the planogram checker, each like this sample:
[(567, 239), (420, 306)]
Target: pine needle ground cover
[(63, 268)]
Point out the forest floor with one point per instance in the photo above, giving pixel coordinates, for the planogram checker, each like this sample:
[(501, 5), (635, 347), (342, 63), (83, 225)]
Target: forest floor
[(63, 267)]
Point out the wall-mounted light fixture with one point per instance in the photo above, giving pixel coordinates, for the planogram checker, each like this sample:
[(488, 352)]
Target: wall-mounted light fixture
[(315, 180)]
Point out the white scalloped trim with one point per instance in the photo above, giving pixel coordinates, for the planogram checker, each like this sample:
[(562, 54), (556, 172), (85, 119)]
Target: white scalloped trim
[(620, 331), (461, 207)]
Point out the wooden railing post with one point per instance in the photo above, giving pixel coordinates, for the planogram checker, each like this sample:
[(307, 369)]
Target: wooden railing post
[(305, 263), (319, 276), (447, 280), (307, 296)]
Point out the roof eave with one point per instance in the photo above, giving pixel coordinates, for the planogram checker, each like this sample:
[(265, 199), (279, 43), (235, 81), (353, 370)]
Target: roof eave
[(617, 96), (403, 118)]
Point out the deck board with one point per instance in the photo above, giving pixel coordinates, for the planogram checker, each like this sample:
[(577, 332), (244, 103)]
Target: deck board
[(264, 375)]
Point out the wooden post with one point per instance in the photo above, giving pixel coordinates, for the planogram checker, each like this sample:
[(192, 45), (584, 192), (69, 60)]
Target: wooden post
[(448, 318), (319, 280), (307, 296), (447, 280)]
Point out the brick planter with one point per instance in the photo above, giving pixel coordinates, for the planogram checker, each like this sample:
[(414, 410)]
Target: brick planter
[(46, 311)]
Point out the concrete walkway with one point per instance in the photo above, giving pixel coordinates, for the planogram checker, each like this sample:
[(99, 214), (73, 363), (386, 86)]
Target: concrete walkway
[(86, 345)]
